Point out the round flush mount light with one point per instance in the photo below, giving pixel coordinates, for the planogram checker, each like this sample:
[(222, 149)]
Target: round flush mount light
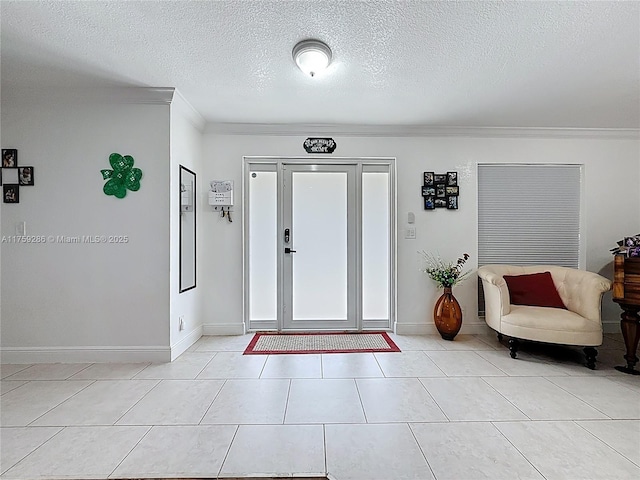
[(312, 56)]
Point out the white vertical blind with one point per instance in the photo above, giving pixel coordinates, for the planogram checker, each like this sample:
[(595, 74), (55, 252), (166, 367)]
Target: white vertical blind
[(529, 214)]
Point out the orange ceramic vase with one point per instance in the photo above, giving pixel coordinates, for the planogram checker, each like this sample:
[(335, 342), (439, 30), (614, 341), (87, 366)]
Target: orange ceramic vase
[(447, 315)]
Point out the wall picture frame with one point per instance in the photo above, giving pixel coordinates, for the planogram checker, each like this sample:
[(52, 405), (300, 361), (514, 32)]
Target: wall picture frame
[(440, 190), (428, 178), (9, 158), (429, 203), (428, 191), (26, 176), (11, 193)]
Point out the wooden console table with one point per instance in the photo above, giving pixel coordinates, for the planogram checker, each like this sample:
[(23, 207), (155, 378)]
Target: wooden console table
[(626, 292)]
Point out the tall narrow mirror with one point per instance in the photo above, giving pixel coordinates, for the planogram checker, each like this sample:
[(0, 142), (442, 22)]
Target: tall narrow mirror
[(187, 229)]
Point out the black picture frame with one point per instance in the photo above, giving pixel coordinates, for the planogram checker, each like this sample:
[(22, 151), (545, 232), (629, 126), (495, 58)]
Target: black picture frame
[(9, 158), (440, 190), (187, 267), (429, 203), (631, 241), (428, 191), (11, 193), (26, 176)]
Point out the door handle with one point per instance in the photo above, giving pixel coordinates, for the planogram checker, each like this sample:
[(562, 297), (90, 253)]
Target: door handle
[(288, 250)]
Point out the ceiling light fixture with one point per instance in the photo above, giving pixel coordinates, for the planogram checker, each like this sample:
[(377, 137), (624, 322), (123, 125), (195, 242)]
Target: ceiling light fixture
[(312, 56)]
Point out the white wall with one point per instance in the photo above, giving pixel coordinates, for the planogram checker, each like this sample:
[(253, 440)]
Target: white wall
[(612, 168), (186, 150), (86, 302)]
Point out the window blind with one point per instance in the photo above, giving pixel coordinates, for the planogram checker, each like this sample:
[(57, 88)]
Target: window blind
[(528, 215)]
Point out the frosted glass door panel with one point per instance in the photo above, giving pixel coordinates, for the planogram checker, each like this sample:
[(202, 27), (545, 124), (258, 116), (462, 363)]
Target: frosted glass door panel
[(319, 226), (262, 246), (375, 245)]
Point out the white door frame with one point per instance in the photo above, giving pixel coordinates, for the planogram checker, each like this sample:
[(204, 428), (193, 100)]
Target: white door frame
[(275, 163)]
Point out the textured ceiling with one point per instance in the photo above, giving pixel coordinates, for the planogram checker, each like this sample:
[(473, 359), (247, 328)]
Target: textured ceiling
[(427, 63)]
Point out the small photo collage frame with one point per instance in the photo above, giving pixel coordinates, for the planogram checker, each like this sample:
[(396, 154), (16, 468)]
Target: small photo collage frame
[(12, 176), (440, 190)]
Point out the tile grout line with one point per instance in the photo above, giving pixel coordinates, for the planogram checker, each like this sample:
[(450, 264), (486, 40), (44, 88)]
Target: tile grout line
[(138, 373), (264, 365), (518, 450), (433, 399), (424, 352), (60, 429), (577, 398), (226, 455), (364, 412), (17, 386), (215, 354), (324, 447), (26, 365), (384, 375), (138, 401), (601, 440), (131, 450), (286, 403), (91, 382), (505, 398), (81, 370), (424, 455), (212, 401)]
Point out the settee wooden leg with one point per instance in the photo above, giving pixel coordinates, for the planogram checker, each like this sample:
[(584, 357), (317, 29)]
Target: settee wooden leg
[(499, 337), (591, 354), (514, 343)]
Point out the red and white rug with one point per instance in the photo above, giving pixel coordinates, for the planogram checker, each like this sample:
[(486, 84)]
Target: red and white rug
[(282, 343)]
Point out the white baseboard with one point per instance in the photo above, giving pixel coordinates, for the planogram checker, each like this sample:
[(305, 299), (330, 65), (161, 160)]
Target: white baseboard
[(223, 329), (430, 329), (181, 346), (98, 354)]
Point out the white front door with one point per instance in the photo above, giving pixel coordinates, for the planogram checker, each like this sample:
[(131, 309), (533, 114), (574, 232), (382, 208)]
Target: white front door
[(319, 237)]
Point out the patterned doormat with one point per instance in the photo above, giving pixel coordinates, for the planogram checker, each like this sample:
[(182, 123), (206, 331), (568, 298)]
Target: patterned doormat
[(282, 343)]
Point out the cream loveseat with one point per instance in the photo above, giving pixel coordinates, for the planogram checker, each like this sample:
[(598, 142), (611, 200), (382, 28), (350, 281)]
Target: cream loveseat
[(580, 324)]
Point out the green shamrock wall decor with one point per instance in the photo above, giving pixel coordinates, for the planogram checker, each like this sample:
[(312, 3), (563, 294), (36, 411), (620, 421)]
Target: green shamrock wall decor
[(123, 176)]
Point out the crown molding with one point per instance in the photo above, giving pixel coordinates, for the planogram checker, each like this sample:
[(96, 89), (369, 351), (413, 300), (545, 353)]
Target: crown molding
[(120, 95), (182, 107), (416, 131)]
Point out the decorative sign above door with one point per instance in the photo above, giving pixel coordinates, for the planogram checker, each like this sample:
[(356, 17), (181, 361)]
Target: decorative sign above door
[(319, 145)]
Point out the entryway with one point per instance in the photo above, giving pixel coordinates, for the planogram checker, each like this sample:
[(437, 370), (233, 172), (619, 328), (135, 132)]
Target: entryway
[(318, 243)]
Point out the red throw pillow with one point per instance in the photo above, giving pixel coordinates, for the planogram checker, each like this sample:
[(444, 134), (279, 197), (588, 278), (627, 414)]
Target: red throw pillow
[(535, 289)]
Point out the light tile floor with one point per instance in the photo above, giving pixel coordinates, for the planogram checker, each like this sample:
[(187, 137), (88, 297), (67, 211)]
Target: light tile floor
[(460, 410)]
